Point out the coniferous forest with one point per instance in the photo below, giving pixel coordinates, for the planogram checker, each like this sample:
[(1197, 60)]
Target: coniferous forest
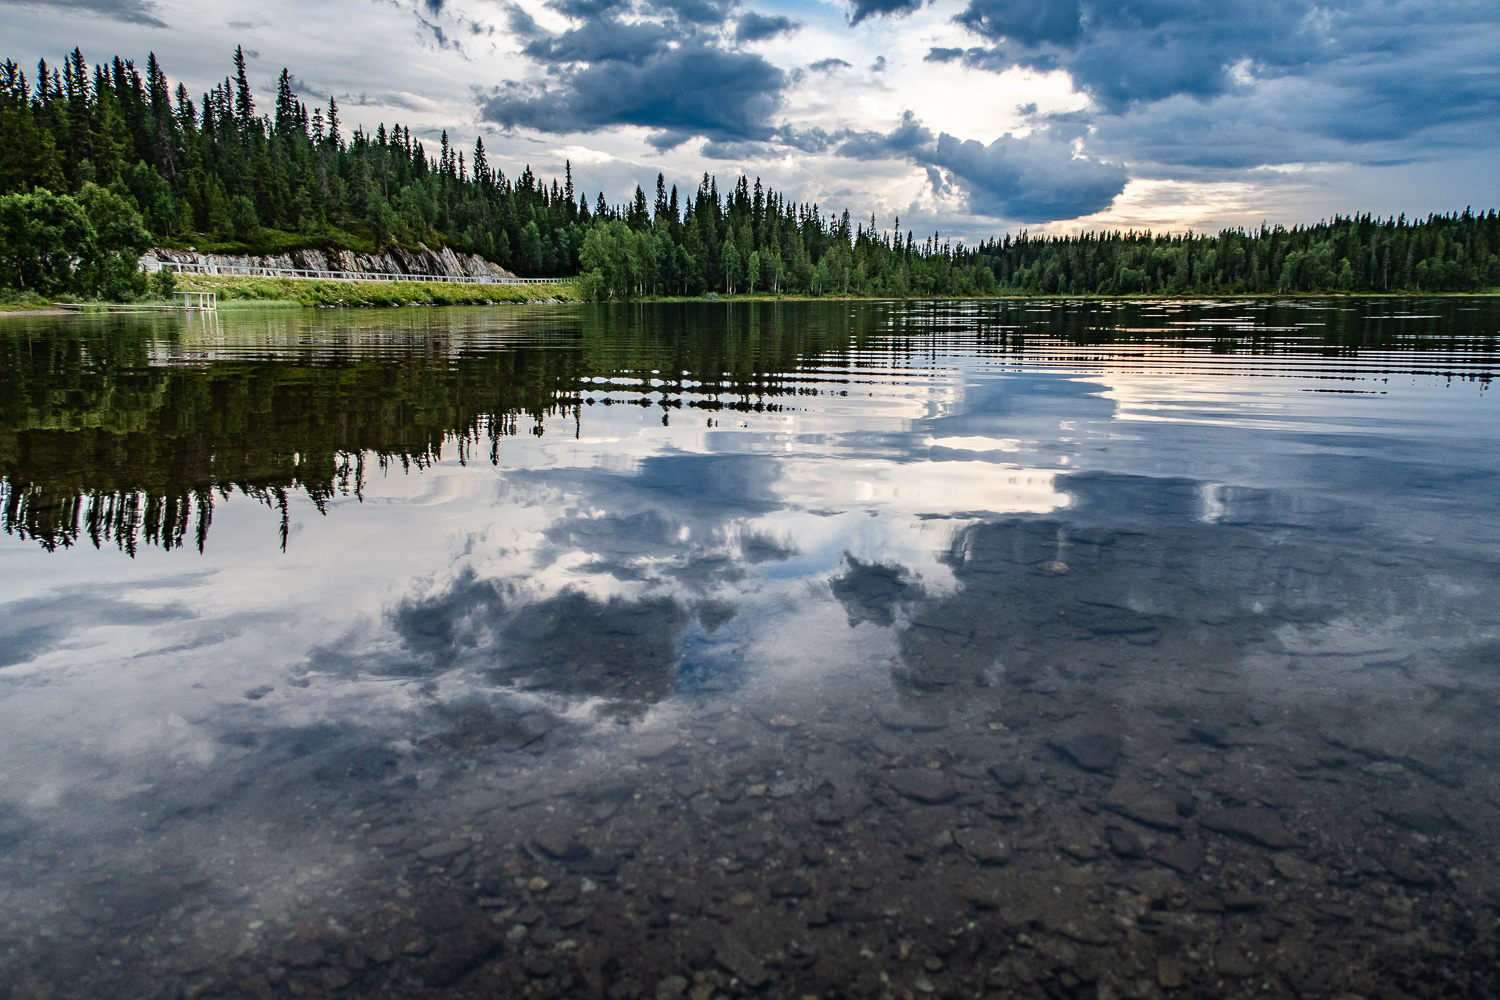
[(100, 162)]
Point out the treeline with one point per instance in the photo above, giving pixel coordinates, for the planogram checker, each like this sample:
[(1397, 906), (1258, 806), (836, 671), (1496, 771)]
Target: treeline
[(219, 174), (88, 148), (756, 242)]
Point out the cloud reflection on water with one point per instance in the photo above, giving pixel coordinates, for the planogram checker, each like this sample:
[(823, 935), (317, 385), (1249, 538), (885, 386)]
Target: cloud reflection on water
[(615, 562)]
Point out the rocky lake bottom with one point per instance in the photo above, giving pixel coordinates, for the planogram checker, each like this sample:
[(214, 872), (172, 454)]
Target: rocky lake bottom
[(1158, 740)]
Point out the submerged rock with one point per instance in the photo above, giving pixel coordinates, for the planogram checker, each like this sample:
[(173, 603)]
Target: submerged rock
[(1092, 751), (1143, 804), (1009, 774), (736, 959), (895, 717), (1263, 826), (983, 846), (1186, 856), (921, 784)]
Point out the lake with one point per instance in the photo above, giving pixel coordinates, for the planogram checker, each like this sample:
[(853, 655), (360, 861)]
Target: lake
[(804, 649)]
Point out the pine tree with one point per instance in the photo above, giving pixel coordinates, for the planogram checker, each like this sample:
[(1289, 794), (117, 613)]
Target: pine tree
[(288, 119), (482, 164), (244, 102), (334, 138)]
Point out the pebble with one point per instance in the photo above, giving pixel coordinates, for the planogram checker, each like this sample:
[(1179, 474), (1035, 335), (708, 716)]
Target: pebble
[(538, 884), (921, 784), (559, 844), (538, 966), (658, 746), (983, 846), (671, 988), (1009, 774), (896, 717), (1123, 843), (788, 885), (1289, 866), (1231, 960), (335, 978), (1168, 972), (443, 849), (390, 836), (738, 961), (782, 722)]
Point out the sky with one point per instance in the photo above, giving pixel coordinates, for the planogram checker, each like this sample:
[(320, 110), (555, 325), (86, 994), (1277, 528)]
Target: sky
[(967, 117)]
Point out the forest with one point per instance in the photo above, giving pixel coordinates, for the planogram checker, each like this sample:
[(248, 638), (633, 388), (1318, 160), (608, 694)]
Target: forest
[(102, 161)]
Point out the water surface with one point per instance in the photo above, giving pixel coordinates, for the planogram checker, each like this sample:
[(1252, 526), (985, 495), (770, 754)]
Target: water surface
[(806, 649)]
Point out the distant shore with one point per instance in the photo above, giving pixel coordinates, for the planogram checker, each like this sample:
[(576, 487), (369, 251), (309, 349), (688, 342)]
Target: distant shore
[(245, 292)]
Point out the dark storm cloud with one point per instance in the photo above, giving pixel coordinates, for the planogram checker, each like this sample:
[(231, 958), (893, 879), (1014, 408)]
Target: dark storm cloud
[(1035, 178), (907, 139), (695, 89), (863, 9), (1245, 83), (1030, 22), (1403, 107), (584, 9), (601, 41), (1031, 179), (704, 12), (1130, 52), (129, 11), (1121, 51), (663, 69), (753, 27)]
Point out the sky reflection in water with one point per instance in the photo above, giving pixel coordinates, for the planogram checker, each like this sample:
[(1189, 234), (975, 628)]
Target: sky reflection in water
[(434, 552)]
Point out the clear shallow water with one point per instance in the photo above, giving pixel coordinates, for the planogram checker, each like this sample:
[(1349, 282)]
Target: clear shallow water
[(812, 649)]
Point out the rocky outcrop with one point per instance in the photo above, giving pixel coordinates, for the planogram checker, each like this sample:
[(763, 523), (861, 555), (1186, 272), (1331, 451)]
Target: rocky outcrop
[(423, 261)]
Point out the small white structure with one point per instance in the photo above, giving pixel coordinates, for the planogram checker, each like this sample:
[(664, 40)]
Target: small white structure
[(200, 301)]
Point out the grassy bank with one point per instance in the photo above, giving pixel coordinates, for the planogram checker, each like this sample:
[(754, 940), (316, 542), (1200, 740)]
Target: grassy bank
[(241, 292), (232, 290)]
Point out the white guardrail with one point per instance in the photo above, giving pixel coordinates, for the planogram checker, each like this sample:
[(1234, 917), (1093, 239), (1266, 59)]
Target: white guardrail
[(291, 272)]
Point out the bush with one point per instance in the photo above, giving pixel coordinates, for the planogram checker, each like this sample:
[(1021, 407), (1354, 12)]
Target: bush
[(91, 246), (163, 284), (115, 273), (42, 235)]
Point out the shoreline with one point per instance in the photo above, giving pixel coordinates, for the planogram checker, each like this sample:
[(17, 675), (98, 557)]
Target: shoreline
[(236, 293)]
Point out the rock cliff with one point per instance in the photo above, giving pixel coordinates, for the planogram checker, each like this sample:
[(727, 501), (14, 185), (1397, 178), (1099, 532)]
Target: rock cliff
[(423, 261)]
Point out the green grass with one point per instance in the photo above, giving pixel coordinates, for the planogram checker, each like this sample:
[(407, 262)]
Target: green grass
[(12, 300), (238, 291), (241, 292)]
